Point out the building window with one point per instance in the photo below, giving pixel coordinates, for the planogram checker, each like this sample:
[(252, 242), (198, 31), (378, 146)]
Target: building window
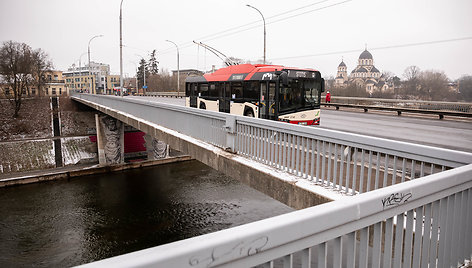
[(53, 91), (47, 91)]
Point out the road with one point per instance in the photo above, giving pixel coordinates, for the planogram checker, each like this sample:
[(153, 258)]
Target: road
[(426, 130)]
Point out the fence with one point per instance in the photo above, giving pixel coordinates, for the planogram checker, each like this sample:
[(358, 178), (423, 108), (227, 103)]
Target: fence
[(460, 109), (353, 164), (341, 161), (465, 107)]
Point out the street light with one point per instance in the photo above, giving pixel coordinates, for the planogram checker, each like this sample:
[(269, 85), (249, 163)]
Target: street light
[(80, 70), (264, 31), (178, 68), (89, 56), (121, 55)]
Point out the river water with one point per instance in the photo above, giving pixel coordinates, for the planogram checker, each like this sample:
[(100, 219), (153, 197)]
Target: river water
[(67, 223)]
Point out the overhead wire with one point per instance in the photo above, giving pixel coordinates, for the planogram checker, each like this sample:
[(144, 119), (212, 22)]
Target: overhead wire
[(232, 31), (377, 48)]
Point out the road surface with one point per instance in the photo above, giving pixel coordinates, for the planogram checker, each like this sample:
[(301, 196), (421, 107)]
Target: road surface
[(426, 130)]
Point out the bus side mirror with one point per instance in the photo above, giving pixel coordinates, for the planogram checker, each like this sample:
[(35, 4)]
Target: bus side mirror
[(322, 85)]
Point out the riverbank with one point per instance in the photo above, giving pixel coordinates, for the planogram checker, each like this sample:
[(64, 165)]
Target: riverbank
[(20, 178)]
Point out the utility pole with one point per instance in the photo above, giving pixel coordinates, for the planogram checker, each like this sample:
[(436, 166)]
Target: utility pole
[(121, 53), (178, 68), (90, 83), (264, 31)]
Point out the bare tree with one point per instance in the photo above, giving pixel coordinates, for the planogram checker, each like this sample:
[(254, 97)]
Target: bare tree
[(16, 68), (465, 87), (41, 63), (411, 80), (433, 85)]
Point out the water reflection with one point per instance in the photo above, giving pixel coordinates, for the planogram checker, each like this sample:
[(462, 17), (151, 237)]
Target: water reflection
[(68, 223)]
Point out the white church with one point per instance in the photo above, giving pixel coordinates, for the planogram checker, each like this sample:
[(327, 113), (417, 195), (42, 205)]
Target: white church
[(365, 74)]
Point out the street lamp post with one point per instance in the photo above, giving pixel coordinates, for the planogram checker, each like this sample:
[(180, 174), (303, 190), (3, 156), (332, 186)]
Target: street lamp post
[(89, 58), (121, 54), (178, 68), (80, 71), (264, 30)]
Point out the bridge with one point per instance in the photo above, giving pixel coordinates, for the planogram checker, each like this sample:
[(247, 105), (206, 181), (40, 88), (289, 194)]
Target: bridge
[(378, 202)]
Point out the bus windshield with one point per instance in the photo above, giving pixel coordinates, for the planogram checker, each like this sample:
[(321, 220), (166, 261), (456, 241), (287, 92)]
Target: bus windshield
[(299, 95)]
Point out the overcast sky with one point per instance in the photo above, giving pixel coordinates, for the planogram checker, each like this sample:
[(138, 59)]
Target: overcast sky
[(305, 33)]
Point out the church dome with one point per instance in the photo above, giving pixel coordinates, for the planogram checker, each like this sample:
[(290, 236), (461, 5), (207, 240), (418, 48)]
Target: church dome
[(365, 55), (342, 64)]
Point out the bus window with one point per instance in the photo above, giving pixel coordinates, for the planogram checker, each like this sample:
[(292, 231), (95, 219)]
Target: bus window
[(291, 97), (187, 89), (312, 90), (251, 91), (236, 91), (212, 91), (193, 95), (203, 90)]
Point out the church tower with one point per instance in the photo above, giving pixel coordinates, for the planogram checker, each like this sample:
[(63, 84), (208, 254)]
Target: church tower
[(341, 76)]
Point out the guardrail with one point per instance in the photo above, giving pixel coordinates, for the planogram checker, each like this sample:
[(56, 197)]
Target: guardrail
[(461, 109), (165, 94), (354, 164), (346, 162)]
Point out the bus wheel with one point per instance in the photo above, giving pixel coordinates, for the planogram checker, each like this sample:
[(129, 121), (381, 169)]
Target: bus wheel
[(202, 106), (249, 113)]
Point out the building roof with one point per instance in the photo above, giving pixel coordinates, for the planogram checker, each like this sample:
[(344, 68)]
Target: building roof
[(342, 64), (374, 70), (365, 55), (360, 70)]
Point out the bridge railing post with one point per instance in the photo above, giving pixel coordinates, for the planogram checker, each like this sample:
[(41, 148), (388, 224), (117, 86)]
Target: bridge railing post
[(230, 127)]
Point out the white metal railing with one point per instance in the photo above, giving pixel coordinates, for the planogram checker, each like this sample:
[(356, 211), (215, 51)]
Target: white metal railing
[(465, 107), (410, 205), (341, 161), (421, 223)]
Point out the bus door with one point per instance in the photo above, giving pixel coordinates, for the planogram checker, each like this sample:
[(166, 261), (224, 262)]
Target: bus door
[(220, 87), (271, 101), (267, 107), (224, 94), (193, 95), (263, 109)]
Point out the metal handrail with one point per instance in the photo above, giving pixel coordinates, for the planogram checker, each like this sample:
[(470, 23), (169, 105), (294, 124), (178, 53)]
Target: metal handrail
[(465, 107), (341, 161)]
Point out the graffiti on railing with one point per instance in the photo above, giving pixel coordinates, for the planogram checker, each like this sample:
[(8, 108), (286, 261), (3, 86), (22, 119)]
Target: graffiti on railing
[(241, 249), (396, 199)]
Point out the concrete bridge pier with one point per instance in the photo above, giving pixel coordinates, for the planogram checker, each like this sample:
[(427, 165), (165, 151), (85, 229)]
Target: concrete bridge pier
[(110, 140)]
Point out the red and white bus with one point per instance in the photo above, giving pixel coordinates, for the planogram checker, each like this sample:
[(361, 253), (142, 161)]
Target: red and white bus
[(264, 91)]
